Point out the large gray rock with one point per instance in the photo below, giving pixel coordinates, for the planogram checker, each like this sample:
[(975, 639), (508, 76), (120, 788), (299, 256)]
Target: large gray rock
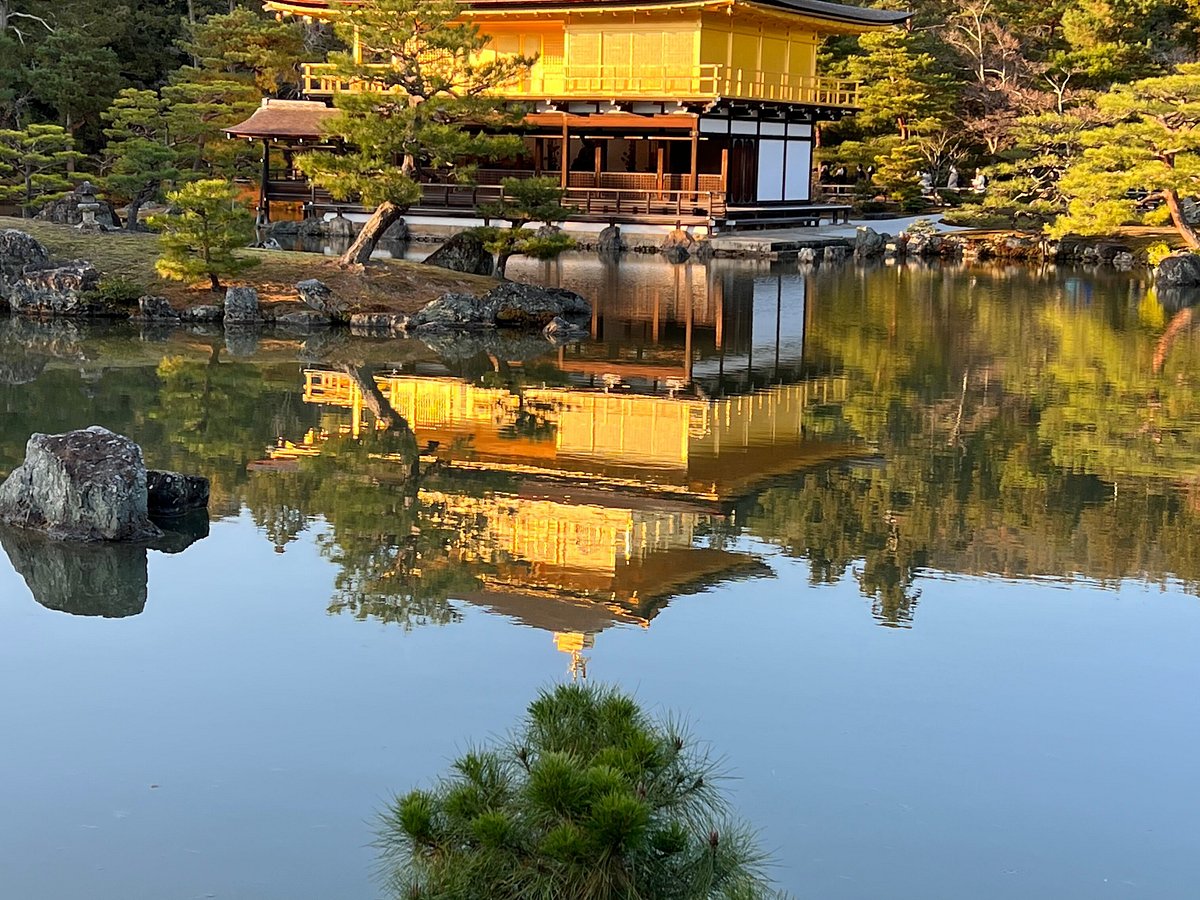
[(1179, 270), (87, 485), (108, 580), (18, 250), (609, 241), (453, 310), (532, 306), (464, 252), (209, 312), (241, 306), (173, 494), (65, 289), (303, 320), (869, 243), (318, 295), (379, 323), (154, 308)]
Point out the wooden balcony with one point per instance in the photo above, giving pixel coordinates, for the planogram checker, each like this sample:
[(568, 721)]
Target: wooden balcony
[(648, 82)]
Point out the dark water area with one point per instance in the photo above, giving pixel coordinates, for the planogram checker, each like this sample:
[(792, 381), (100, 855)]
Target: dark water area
[(914, 547)]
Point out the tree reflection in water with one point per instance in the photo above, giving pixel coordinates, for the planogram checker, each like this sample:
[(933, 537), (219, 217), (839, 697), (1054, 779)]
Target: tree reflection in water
[(984, 420)]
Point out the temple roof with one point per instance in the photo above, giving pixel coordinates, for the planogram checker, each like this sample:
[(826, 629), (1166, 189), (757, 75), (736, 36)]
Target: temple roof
[(283, 119), (821, 9)]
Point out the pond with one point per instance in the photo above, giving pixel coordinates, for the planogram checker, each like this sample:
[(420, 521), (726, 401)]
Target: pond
[(914, 547)]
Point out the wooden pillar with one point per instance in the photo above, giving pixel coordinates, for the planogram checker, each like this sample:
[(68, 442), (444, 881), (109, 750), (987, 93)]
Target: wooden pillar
[(537, 156), (695, 159), (598, 156), (566, 152), (659, 167), (725, 170), (264, 191)]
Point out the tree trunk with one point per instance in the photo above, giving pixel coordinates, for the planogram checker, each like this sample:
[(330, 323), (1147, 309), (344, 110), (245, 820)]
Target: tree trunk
[(214, 283), (385, 216), (1186, 231), (131, 215), (502, 264)]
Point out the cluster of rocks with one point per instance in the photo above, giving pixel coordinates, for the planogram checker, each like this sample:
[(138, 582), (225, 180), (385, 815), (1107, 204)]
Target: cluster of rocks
[(93, 485), (31, 283)]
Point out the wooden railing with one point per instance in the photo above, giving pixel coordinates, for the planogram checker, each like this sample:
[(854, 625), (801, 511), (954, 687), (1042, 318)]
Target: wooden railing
[(594, 202), (650, 81)]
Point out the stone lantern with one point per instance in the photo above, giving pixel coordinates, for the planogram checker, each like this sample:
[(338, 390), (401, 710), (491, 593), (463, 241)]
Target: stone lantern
[(88, 206)]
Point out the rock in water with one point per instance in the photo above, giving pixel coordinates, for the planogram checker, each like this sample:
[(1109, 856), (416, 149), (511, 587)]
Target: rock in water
[(87, 485), (869, 243), (453, 310), (609, 241), (173, 494), (464, 252), (108, 580), (241, 306), (318, 295), (1179, 270), (378, 323), (527, 305), (156, 308)]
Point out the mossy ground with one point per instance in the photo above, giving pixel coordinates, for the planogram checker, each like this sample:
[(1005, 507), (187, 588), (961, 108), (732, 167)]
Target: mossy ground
[(383, 286)]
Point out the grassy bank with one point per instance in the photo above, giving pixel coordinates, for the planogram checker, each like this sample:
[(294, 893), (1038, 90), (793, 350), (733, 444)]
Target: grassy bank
[(385, 285)]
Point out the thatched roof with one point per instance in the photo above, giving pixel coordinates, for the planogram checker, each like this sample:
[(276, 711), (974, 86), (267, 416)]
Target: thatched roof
[(284, 120)]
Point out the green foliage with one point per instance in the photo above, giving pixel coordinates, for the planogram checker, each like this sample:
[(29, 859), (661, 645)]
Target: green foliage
[(138, 159), (1151, 145), (900, 83), (1024, 185), (207, 225), (525, 201), (118, 291), (238, 58), (75, 74), (34, 165), (591, 798), (427, 112)]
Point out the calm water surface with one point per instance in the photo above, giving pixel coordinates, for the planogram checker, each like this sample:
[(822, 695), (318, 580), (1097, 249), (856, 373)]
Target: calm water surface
[(916, 548)]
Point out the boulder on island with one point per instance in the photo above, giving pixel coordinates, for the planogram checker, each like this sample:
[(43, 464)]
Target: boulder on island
[(87, 485), (58, 289), (1179, 270), (464, 252)]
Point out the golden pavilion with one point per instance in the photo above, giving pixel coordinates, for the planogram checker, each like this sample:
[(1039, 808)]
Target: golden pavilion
[(655, 112)]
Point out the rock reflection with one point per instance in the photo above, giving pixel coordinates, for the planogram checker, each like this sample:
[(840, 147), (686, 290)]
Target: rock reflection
[(95, 579)]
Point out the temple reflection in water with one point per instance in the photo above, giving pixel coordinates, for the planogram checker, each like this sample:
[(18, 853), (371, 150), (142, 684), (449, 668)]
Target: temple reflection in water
[(623, 458)]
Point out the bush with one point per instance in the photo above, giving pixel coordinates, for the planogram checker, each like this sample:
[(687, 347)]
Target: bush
[(1156, 253), (590, 799), (117, 291)]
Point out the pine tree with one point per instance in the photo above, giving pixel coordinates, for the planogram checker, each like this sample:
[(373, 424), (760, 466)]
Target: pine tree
[(34, 165), (238, 58), (424, 113), (200, 238), (137, 157), (526, 201), (591, 799), (1150, 150)]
